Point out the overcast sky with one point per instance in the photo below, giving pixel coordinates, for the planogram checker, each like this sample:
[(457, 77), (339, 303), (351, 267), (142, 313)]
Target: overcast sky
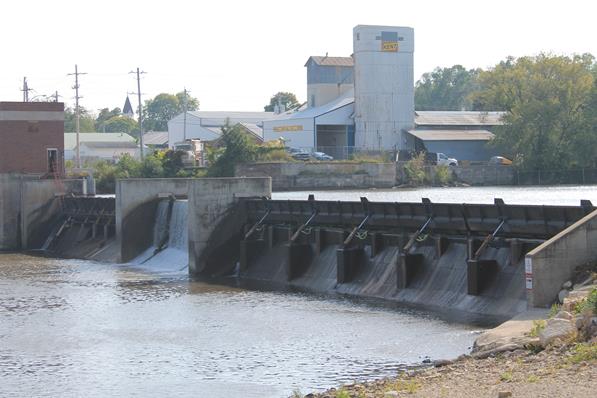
[(233, 55)]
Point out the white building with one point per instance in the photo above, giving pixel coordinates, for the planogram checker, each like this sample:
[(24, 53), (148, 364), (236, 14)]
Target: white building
[(207, 125), (110, 151), (106, 146)]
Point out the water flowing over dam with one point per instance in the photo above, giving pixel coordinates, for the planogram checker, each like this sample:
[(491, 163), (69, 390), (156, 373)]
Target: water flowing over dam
[(170, 238), (449, 257)]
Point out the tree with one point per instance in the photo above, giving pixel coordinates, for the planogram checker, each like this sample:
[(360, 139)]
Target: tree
[(550, 103), (446, 89), (86, 121), (159, 110), (288, 100), (104, 115), (238, 149), (121, 124)]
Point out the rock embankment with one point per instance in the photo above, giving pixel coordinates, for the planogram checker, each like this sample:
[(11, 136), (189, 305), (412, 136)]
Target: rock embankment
[(539, 353)]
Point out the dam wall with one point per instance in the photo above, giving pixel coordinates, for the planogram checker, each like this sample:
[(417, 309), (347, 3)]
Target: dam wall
[(466, 258), (554, 261), (216, 220), (136, 205), (28, 207)]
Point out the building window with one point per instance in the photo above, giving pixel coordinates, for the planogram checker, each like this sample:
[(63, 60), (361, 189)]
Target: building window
[(52, 160)]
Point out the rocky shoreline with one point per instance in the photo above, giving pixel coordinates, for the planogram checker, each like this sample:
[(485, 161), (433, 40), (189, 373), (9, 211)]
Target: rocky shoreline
[(541, 353)]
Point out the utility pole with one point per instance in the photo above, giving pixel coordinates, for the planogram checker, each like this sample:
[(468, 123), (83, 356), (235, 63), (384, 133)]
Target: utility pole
[(139, 73), (55, 96), (77, 110), (26, 90), (184, 105)]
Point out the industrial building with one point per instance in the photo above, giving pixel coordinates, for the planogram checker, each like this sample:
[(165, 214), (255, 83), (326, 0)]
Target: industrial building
[(460, 134), (361, 102), (32, 137)]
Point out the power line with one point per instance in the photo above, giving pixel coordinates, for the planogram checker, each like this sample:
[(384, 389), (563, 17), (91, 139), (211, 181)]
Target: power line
[(77, 110), (184, 104), (26, 90), (139, 73)]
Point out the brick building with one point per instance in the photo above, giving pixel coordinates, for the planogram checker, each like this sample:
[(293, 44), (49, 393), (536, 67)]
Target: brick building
[(31, 137)]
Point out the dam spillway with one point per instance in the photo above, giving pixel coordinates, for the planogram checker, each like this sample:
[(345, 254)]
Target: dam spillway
[(461, 257)]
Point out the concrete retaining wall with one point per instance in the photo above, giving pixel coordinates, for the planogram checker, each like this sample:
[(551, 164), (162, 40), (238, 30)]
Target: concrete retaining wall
[(215, 223), (40, 207), (331, 175), (552, 263), (136, 203), (483, 175), (27, 207), (10, 197)]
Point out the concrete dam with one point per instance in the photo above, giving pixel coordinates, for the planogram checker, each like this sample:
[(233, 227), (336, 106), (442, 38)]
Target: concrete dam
[(480, 260)]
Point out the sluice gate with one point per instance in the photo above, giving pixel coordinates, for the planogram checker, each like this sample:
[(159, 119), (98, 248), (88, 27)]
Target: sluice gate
[(83, 218), (413, 252)]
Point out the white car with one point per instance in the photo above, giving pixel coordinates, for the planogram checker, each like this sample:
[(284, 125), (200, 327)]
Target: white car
[(443, 160)]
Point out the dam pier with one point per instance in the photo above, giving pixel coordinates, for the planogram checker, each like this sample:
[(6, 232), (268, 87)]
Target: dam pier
[(492, 259)]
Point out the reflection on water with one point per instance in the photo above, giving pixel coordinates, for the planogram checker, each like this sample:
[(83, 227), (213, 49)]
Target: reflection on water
[(74, 328), (555, 195)]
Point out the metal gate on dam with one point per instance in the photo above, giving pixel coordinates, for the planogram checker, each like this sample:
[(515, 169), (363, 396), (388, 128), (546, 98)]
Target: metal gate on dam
[(474, 258), (467, 257)]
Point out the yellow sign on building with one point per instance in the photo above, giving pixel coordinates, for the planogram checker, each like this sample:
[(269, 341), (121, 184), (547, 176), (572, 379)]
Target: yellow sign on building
[(389, 46), (279, 129)]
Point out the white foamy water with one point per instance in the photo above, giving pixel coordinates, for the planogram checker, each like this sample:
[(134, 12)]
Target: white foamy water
[(170, 233)]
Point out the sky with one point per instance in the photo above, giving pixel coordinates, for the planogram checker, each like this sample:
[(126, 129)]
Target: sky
[(234, 55)]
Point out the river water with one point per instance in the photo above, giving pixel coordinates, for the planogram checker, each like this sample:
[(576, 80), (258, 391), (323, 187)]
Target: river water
[(555, 195), (73, 328)]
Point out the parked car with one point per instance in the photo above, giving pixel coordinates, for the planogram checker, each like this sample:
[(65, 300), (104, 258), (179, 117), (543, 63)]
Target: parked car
[(322, 156), (500, 160), (442, 159), (298, 154)]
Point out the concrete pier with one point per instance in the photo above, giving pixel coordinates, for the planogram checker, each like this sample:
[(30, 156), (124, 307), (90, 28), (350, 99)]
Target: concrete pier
[(215, 223)]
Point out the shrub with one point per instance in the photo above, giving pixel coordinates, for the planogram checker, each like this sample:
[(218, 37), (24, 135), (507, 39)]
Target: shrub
[(443, 174), (238, 149), (555, 308), (415, 169), (584, 353), (538, 326), (588, 304)]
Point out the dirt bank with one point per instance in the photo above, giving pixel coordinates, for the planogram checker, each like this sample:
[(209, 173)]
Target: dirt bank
[(568, 371)]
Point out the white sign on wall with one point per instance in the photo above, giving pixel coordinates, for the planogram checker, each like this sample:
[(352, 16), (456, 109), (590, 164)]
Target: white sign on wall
[(528, 272)]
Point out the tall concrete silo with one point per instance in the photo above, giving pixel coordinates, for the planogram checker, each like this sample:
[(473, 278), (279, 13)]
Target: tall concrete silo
[(384, 86)]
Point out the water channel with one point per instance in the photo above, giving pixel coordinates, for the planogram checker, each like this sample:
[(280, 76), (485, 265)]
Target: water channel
[(71, 328)]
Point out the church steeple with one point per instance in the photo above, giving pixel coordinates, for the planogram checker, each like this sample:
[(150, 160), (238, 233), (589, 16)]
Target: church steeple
[(127, 110)]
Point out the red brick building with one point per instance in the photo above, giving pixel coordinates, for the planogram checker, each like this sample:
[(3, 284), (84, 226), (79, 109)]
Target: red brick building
[(31, 137)]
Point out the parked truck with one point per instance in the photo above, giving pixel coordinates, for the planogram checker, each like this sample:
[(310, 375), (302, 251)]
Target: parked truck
[(434, 158), (193, 152)]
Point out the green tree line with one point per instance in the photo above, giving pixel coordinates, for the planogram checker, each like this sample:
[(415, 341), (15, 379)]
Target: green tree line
[(157, 112), (550, 105)]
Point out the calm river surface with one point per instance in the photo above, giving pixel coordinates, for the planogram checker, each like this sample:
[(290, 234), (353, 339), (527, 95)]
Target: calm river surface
[(74, 328), (557, 195)]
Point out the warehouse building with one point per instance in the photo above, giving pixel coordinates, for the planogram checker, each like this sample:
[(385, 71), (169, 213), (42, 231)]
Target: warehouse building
[(462, 135), (361, 102)]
